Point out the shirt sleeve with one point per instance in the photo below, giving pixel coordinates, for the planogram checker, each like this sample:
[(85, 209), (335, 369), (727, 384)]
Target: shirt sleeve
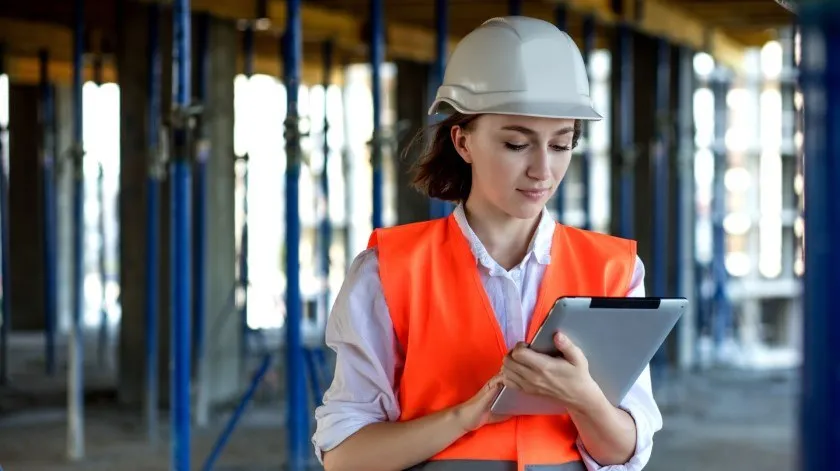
[(639, 403), (361, 333)]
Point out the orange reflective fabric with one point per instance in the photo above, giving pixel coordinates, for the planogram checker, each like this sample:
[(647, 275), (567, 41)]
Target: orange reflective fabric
[(452, 341)]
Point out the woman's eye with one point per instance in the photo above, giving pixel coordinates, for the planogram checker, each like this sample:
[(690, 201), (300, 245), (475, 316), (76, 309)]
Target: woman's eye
[(518, 147)]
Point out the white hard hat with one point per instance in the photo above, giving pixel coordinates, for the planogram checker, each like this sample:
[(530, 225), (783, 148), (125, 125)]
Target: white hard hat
[(516, 65)]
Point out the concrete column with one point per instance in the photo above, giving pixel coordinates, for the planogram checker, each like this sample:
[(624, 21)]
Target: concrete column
[(26, 210), (412, 104), (220, 374), (749, 333), (133, 75)]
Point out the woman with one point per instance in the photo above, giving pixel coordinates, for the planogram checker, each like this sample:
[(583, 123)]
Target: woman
[(431, 318)]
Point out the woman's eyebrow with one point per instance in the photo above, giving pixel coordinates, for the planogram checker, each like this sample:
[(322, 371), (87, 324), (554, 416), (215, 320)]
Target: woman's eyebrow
[(530, 132)]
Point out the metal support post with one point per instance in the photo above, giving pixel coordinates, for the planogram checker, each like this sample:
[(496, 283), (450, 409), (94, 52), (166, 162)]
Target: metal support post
[(798, 128), (561, 21), (627, 141), (820, 80), (348, 172), (586, 155), (661, 162), (685, 227), (722, 309), (223, 438), (75, 372), (514, 7), (156, 159), (102, 338), (5, 271), (439, 208), (49, 229), (248, 52), (309, 357), (661, 190), (180, 221), (202, 155), (297, 410), (326, 222), (377, 55)]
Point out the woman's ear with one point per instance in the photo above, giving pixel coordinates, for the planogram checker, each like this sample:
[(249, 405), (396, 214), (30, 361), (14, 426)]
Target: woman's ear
[(459, 141)]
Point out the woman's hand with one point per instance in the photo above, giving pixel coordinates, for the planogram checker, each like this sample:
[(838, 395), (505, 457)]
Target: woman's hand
[(475, 412), (564, 378), (403, 444)]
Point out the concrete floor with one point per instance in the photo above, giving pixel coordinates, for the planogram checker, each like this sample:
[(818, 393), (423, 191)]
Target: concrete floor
[(717, 420), (728, 420)]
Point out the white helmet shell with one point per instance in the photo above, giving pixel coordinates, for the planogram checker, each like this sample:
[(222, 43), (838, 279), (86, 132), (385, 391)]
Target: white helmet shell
[(516, 65)]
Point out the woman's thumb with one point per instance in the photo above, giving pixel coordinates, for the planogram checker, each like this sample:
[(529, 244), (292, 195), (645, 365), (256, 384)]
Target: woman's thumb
[(492, 387)]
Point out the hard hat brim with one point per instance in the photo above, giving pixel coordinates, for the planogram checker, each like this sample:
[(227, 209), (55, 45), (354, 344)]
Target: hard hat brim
[(537, 110)]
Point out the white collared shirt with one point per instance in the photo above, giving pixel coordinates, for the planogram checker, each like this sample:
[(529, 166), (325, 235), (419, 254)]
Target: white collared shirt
[(360, 331)]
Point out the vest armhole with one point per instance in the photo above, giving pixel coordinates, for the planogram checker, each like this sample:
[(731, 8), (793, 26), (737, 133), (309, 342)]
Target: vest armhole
[(373, 240), (390, 287)]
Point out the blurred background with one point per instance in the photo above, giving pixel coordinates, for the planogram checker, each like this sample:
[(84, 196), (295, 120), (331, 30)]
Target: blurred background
[(158, 191)]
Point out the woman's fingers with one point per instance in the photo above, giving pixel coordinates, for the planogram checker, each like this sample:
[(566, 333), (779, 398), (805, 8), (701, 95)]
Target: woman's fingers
[(511, 362), (571, 352), (516, 379)]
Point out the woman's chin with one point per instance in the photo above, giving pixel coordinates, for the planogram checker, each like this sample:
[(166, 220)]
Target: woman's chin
[(527, 210)]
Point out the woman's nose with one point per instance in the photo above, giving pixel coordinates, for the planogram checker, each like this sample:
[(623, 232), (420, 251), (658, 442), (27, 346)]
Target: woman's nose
[(540, 168)]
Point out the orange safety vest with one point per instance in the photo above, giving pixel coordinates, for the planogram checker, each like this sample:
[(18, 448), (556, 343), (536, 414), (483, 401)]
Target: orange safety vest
[(453, 343)]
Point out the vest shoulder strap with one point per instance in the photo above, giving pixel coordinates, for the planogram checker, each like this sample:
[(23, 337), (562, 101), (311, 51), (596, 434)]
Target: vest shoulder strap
[(405, 252), (613, 256)]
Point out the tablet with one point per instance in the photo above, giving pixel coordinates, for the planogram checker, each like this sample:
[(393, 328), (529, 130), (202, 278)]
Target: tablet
[(619, 337)]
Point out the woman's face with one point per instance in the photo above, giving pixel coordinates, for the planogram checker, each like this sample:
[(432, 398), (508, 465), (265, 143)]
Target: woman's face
[(517, 161)]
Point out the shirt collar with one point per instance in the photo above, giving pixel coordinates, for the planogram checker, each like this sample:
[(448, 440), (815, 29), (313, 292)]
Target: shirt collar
[(539, 247)]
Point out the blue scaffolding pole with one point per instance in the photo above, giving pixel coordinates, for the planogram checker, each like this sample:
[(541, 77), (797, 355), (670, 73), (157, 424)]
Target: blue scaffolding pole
[(5, 272), (49, 228), (326, 222), (820, 81), (561, 21), (296, 404), (202, 155), (180, 241), (156, 161), (377, 55), (227, 431), (75, 372), (627, 144), (439, 208), (661, 187), (722, 310), (586, 155)]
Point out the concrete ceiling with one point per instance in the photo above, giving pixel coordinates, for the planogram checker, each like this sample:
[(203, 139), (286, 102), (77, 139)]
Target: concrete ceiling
[(722, 27)]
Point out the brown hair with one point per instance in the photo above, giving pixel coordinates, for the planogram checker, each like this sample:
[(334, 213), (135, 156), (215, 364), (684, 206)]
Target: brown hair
[(440, 172)]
